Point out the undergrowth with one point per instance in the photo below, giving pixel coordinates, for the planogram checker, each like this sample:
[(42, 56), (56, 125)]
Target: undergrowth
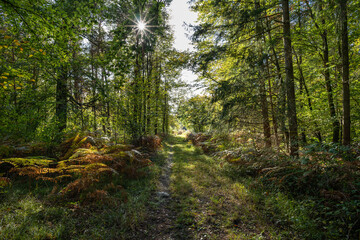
[(317, 194), (91, 191), (212, 205)]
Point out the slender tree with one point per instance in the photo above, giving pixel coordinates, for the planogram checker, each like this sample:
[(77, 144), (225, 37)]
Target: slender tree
[(290, 86), (345, 71)]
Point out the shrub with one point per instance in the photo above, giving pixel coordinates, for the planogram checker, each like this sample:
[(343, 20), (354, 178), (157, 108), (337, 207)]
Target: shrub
[(6, 151), (204, 141), (327, 177), (149, 143)]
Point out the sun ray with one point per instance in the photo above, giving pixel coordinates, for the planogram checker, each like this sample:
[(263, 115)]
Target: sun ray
[(141, 26)]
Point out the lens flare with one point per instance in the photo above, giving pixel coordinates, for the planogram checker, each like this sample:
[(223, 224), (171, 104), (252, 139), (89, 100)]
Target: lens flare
[(141, 26)]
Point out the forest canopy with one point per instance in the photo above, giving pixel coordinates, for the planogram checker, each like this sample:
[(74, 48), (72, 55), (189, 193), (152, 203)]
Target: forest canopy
[(85, 65), (281, 68)]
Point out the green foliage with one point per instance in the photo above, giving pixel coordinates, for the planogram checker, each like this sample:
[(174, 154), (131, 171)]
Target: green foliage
[(240, 59), (315, 194), (195, 113), (60, 72)]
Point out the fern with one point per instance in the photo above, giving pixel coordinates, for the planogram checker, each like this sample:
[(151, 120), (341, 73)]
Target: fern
[(84, 172)]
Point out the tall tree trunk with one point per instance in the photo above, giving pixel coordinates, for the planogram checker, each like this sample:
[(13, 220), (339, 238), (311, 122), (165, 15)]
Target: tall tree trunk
[(143, 92), (304, 86), (265, 114), (107, 123), (165, 109), (261, 78), (282, 95), (94, 80), (302, 129), (324, 37), (302, 79), (274, 120), (345, 67), (335, 122), (149, 88), (135, 121), (61, 100), (157, 94), (290, 86)]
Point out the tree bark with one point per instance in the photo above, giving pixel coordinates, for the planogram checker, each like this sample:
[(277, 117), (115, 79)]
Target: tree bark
[(290, 86), (346, 73), (265, 114), (157, 94), (61, 100), (274, 120), (149, 88), (263, 97)]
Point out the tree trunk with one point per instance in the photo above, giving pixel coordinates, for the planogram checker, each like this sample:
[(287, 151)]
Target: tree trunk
[(135, 121), (301, 78), (304, 86), (157, 95), (149, 88), (345, 67), (335, 121), (274, 120), (290, 86), (263, 97), (61, 100), (165, 109), (94, 80), (282, 95), (265, 114)]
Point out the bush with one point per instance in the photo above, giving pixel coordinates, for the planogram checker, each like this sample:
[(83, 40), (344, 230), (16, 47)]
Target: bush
[(149, 143), (204, 141), (327, 177)]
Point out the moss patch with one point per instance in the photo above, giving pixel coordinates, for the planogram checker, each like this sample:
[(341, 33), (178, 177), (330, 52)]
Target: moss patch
[(24, 162)]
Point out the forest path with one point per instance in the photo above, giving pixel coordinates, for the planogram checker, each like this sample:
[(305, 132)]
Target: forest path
[(198, 199), (160, 216)]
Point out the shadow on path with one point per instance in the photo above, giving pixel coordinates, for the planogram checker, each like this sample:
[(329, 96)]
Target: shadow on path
[(197, 199)]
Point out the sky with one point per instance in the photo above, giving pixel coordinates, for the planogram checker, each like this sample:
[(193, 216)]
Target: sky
[(180, 13)]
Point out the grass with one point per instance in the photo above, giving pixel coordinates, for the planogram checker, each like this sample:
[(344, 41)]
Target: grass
[(210, 201), (27, 211), (214, 202)]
